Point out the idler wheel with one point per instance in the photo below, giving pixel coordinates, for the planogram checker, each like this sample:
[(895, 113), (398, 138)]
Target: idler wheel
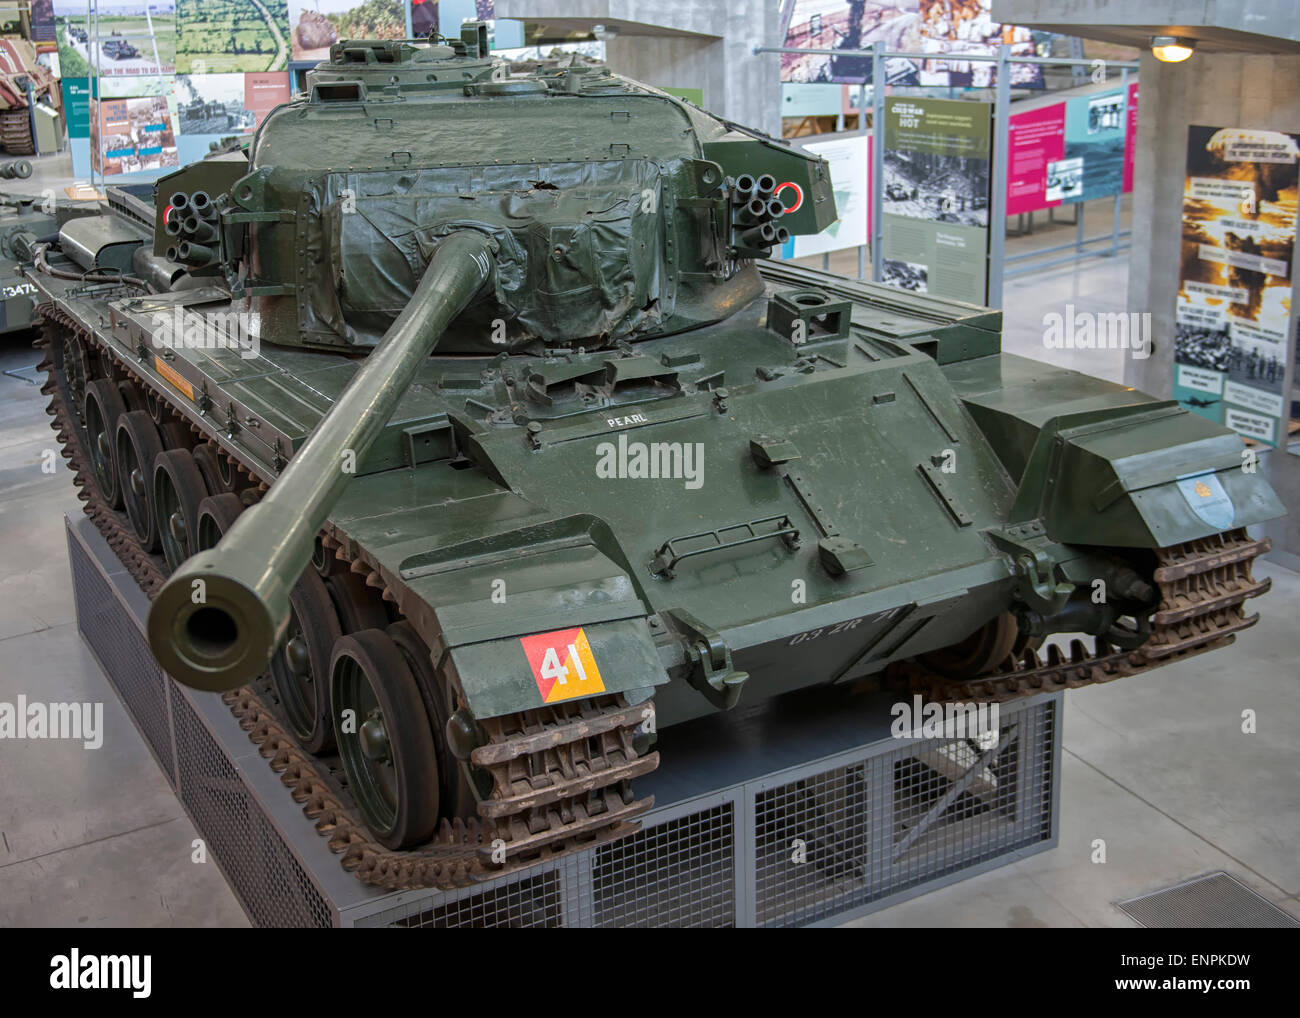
[(384, 739), (300, 668), (137, 446), (981, 652), (216, 514), (457, 798), (178, 489), (358, 606), (104, 408)]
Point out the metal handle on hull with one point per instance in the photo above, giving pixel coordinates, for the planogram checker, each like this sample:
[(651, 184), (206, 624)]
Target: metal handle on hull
[(215, 624)]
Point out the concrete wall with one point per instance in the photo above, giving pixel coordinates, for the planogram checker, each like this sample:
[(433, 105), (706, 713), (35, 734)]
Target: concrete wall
[(685, 44), (1216, 90)]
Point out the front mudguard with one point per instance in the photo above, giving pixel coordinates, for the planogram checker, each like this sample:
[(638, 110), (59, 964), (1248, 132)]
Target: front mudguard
[(1148, 475)]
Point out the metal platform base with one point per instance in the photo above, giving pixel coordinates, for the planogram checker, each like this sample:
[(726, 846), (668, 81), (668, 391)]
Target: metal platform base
[(800, 811)]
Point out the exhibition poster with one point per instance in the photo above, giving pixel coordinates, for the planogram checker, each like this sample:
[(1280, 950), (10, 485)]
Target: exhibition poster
[(223, 36), (130, 135), (1036, 140), (1071, 151), (849, 161), (163, 36), (42, 21), (1232, 320), (936, 197), (946, 28), (316, 25), (134, 37)]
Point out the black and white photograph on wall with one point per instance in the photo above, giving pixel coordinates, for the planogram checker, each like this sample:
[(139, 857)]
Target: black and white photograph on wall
[(904, 275), (212, 104), (937, 188), (1256, 363), (1203, 347), (1105, 113), (1064, 179)]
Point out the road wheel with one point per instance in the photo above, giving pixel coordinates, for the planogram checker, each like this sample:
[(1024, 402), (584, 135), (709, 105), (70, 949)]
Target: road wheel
[(456, 796), (138, 446), (979, 653), (300, 667), (358, 606), (104, 408), (384, 739), (216, 514), (178, 490)]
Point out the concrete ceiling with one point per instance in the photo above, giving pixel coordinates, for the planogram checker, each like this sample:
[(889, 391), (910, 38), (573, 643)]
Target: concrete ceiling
[(1232, 26)]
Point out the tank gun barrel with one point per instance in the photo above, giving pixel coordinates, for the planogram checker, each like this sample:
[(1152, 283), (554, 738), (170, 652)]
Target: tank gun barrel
[(216, 622)]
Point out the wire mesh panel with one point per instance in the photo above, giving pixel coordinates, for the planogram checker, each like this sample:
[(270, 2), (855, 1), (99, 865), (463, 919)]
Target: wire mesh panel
[(831, 841), (811, 843), (678, 873), (528, 902), (269, 881), (123, 653)]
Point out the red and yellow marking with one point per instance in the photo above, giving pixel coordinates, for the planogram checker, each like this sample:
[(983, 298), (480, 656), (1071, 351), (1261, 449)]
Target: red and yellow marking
[(563, 665)]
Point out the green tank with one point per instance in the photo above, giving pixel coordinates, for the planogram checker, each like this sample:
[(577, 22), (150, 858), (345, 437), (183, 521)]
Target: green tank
[(463, 431), (25, 221)]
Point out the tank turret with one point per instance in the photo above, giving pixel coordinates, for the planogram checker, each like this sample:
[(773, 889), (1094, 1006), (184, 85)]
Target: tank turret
[(618, 212)]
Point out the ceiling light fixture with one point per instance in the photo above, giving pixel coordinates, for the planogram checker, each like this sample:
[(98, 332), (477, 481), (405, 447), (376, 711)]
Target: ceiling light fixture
[(1172, 49)]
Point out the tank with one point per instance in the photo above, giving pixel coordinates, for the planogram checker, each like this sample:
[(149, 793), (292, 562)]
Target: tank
[(465, 434), (25, 222), (118, 49), (22, 82)]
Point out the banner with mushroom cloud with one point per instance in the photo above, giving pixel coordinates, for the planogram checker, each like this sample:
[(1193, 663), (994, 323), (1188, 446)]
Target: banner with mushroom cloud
[(1233, 314)]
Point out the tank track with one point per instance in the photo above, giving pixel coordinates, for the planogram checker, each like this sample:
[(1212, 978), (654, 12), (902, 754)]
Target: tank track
[(16, 132), (561, 774), (1203, 586)]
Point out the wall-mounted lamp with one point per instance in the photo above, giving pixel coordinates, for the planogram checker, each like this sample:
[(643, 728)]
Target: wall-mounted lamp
[(1172, 49)]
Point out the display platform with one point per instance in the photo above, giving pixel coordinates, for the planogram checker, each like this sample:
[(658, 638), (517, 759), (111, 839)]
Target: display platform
[(800, 811)]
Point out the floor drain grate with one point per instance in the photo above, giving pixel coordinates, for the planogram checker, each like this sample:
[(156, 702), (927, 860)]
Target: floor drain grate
[(1215, 901)]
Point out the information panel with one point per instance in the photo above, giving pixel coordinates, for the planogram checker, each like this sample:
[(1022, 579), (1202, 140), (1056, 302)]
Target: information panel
[(1072, 151), (936, 197)]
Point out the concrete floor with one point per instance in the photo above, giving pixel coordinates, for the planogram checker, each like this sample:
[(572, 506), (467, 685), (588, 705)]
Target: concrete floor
[(1156, 767)]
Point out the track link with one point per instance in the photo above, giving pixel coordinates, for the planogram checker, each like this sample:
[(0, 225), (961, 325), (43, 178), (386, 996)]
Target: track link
[(1203, 586), (561, 774)]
